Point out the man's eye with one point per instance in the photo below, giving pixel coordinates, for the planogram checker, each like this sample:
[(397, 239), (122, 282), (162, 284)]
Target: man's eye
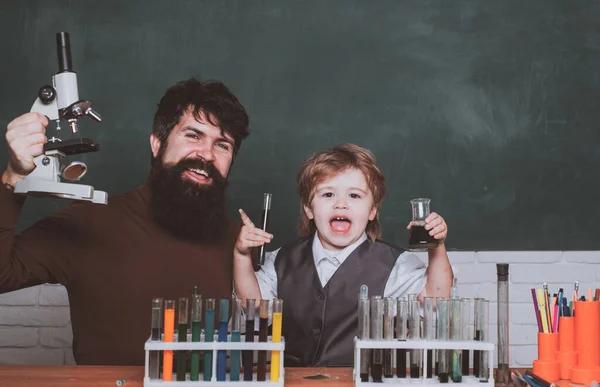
[(223, 145), (192, 135)]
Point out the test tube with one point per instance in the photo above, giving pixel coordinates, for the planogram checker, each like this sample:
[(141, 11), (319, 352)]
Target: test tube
[(196, 334), (377, 334), (456, 329), (248, 355), (363, 330), (263, 335), (222, 337), (264, 225), (466, 329), (484, 328), (428, 331), (168, 338), (388, 334), (236, 336), (402, 335), (442, 334), (209, 336), (503, 371), (182, 337), (413, 353), (276, 338), (414, 330), (157, 322), (476, 334)]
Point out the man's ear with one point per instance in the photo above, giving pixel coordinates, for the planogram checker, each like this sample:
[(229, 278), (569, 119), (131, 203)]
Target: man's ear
[(308, 212), (373, 213), (154, 144)]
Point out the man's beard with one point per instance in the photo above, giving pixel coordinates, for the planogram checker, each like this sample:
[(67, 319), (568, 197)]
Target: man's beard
[(186, 209)]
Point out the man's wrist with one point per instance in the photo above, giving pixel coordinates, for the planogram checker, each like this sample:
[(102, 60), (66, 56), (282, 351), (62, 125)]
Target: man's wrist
[(10, 178)]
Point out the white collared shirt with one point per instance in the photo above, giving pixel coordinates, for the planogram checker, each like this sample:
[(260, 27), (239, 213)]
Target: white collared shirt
[(407, 275)]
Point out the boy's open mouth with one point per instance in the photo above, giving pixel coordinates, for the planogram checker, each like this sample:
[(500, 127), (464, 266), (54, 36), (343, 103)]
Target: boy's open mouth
[(340, 224)]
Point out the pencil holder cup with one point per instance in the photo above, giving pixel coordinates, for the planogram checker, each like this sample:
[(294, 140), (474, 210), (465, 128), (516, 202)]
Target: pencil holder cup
[(587, 342), (546, 366), (566, 354)]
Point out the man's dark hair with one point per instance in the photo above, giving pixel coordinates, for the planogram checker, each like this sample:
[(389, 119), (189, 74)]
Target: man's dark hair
[(220, 107)]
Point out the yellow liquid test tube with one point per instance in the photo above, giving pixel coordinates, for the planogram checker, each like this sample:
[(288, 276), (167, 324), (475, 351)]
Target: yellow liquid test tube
[(169, 332), (276, 338)]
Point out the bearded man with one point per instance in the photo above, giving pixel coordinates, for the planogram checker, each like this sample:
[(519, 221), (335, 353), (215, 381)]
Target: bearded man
[(159, 240)]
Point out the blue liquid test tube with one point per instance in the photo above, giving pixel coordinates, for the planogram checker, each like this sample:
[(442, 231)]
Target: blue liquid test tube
[(222, 354), (209, 336), (236, 336)]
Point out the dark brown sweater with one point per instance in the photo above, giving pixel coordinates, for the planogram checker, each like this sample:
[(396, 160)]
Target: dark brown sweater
[(113, 259)]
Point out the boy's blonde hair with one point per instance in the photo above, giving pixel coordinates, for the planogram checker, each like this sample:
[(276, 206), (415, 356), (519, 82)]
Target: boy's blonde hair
[(326, 164)]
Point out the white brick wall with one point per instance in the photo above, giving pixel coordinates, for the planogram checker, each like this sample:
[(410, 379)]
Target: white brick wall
[(35, 328)]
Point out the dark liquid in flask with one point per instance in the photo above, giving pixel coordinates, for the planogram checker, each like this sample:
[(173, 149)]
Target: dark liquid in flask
[(420, 239)]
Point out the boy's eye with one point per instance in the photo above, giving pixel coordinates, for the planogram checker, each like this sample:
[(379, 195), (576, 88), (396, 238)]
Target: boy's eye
[(328, 194), (355, 196)]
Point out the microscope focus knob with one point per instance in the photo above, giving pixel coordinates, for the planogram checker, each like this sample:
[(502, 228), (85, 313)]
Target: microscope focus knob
[(47, 94)]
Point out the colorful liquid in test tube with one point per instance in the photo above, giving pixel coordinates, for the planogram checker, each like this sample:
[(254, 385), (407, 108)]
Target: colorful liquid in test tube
[(263, 335), (222, 354), (169, 332), (236, 336), (414, 330), (248, 355), (388, 334), (363, 331), (196, 335), (276, 338), (155, 333), (443, 326), (428, 331), (182, 337), (209, 336), (377, 334), (402, 335)]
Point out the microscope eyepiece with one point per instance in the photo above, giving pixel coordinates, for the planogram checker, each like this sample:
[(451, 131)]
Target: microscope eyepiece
[(63, 46)]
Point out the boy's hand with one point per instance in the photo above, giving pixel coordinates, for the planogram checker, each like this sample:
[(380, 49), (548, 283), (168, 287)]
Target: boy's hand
[(436, 225), (250, 236)]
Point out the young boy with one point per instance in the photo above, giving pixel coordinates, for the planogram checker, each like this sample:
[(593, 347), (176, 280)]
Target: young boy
[(319, 275)]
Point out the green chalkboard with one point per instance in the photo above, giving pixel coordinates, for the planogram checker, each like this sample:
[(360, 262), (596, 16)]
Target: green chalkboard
[(490, 108)]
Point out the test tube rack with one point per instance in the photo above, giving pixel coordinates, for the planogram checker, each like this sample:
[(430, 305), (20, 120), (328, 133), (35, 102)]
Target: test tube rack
[(423, 345), (215, 346)]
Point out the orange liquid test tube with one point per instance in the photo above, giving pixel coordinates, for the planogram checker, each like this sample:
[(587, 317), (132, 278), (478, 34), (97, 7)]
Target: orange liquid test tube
[(169, 332), (276, 338)]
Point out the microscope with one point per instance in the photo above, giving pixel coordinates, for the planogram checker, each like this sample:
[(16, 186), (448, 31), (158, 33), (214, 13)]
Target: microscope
[(61, 101)]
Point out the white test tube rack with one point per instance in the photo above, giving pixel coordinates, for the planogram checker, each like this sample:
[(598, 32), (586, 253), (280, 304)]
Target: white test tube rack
[(215, 346), (423, 345)]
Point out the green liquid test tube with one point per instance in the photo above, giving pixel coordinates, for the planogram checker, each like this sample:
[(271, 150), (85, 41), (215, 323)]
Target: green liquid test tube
[(182, 338), (196, 333)]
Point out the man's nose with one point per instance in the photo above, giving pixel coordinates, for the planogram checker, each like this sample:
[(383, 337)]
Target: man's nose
[(205, 151)]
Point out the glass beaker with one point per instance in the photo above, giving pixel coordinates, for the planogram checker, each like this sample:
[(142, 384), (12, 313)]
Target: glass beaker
[(419, 237)]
